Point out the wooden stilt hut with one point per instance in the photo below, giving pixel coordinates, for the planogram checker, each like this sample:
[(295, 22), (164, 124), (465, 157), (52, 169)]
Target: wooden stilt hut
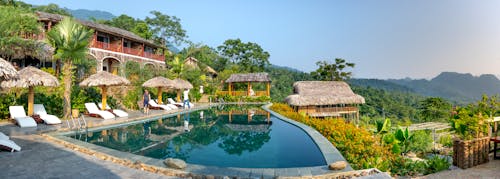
[(248, 78), (325, 99)]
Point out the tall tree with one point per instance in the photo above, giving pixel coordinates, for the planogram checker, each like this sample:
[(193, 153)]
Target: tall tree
[(123, 22), (71, 40), (142, 29), (250, 56), (434, 109), (333, 71), (166, 29), (14, 24)]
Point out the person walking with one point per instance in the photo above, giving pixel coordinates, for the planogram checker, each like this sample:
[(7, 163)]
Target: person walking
[(145, 98), (186, 98)]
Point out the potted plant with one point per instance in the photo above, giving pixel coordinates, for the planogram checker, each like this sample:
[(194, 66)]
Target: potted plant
[(471, 146)]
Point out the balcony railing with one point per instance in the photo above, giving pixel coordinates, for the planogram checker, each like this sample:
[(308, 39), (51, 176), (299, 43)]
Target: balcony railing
[(131, 51), (127, 50), (154, 56), (107, 46)]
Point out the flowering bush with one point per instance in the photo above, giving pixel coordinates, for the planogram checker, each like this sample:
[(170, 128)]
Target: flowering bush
[(360, 148)]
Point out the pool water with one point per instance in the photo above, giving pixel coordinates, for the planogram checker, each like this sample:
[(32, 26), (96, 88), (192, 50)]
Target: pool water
[(224, 136)]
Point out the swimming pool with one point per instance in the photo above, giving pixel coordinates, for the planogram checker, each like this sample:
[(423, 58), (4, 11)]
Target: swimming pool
[(223, 136)]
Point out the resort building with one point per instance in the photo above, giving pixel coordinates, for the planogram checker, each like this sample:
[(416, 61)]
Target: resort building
[(325, 99), (111, 47), (192, 62), (248, 79)]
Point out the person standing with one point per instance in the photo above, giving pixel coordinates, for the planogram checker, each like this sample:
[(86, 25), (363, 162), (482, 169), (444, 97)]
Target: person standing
[(145, 98), (186, 98)]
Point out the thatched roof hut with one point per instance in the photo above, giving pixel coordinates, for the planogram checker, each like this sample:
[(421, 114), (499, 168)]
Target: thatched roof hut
[(321, 93), (192, 62), (7, 71), (159, 82), (104, 78), (100, 27), (248, 77), (31, 76), (210, 70)]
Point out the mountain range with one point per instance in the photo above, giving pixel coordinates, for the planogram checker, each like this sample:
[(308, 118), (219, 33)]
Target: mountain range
[(457, 87), (85, 14)]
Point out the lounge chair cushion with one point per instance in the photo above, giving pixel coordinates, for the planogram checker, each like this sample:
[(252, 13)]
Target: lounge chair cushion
[(47, 118), (92, 109), (117, 112), (171, 101), (17, 113), (9, 145), (155, 105), (120, 113)]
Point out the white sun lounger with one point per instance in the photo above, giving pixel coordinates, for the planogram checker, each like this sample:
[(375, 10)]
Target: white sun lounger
[(17, 113), (171, 106), (171, 101), (3, 136), (156, 105), (93, 110), (117, 112), (10, 145), (47, 118)]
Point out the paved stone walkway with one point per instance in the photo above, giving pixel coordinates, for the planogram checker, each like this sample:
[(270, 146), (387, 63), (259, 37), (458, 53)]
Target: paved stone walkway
[(40, 159)]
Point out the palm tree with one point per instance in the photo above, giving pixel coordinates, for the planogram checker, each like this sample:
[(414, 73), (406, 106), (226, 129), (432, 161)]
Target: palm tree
[(71, 40)]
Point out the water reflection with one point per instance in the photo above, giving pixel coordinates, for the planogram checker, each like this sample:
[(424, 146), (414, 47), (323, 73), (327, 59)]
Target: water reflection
[(228, 132), (186, 122)]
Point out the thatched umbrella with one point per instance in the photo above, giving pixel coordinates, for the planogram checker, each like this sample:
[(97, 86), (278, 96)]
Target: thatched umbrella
[(181, 84), (159, 82), (30, 77), (104, 79), (7, 71)]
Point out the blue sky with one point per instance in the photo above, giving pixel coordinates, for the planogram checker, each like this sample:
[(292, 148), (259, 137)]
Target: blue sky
[(385, 38)]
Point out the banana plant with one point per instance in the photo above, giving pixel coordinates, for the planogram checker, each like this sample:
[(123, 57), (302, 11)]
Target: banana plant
[(404, 137), (383, 128)]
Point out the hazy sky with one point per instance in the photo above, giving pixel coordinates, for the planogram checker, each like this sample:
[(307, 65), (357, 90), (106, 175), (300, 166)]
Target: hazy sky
[(386, 39)]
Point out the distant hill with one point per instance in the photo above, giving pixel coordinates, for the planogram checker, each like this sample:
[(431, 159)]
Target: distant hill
[(458, 87), (379, 84), (85, 14)]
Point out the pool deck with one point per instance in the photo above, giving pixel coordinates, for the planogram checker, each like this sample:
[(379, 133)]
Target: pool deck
[(56, 160)]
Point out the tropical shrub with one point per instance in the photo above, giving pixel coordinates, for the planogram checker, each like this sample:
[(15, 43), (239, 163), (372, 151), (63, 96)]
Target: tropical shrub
[(408, 167), (469, 125), (446, 140), (360, 148), (421, 141), (6, 100), (436, 164), (228, 98)]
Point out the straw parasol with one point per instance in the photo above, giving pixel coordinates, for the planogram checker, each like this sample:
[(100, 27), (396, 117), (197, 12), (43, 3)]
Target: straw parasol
[(159, 82), (30, 77), (181, 84), (7, 71), (104, 79)]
